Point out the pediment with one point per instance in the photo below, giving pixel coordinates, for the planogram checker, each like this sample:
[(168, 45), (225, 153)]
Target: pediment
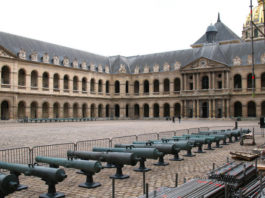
[(203, 63), (6, 54)]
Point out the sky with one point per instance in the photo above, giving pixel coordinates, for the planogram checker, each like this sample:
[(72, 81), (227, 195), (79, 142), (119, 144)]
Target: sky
[(120, 27)]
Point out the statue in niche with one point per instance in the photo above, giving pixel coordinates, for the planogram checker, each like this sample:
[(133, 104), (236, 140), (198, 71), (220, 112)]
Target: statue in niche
[(237, 61), (66, 61), (45, 58), (122, 69), (177, 65), (34, 56), (136, 70), (22, 54), (166, 67), (56, 60), (156, 68), (146, 69)]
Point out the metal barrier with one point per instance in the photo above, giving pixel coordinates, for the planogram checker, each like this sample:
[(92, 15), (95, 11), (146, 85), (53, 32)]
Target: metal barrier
[(166, 134), (204, 129), (88, 145), (193, 130), (182, 131), (223, 127), (148, 136), (123, 140), (16, 155)]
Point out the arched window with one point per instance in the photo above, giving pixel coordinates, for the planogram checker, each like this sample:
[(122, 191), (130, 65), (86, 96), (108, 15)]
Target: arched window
[(34, 110), (45, 110), (100, 107), (156, 86), (146, 87), (256, 33), (263, 109), (92, 111), (127, 87), (136, 87), (237, 81), (146, 110), (5, 75), (92, 85), (56, 81), (176, 84), (262, 80), (177, 108), (107, 87), (156, 110), (75, 110), (166, 85), (21, 111), (84, 84), (66, 110), (84, 110), (107, 111), (45, 80), (117, 87), (166, 110), (249, 79), (100, 86), (251, 109), (75, 83), (205, 82), (66, 82), (117, 111), (127, 110), (136, 111), (56, 110), (237, 109), (4, 110), (34, 79), (21, 77)]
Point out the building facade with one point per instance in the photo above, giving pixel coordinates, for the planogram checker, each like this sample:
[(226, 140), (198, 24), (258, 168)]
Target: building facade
[(213, 79)]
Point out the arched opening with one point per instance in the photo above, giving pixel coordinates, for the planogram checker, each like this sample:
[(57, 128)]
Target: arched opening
[(177, 109), (263, 109), (84, 110), (75, 83), (117, 87), (146, 87), (166, 85), (127, 87), (34, 79), (45, 110), (34, 110), (156, 86), (156, 110), (4, 110), (237, 109), (92, 85), (45, 80), (92, 111), (66, 110), (56, 110), (256, 33), (249, 81), (127, 110), (176, 84), (21, 110), (262, 78), (117, 111), (205, 110), (136, 111), (21, 77), (251, 109), (66, 82), (166, 110), (205, 82), (100, 107), (146, 110), (75, 110), (5, 75), (107, 111), (136, 87), (100, 86), (84, 84), (237, 81), (56, 81), (107, 87)]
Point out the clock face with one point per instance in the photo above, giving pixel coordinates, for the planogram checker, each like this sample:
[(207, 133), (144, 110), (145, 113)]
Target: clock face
[(202, 63)]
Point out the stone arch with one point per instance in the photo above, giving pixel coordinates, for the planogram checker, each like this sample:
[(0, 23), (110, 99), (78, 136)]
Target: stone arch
[(136, 111), (205, 82), (237, 81), (136, 87), (56, 110), (177, 110), (100, 110), (166, 110), (117, 110), (45, 80), (66, 107), (156, 86), (84, 110), (262, 79), (146, 87), (84, 84), (237, 109), (92, 111), (21, 110), (66, 82), (5, 75), (5, 110), (251, 109), (75, 110), (156, 110), (56, 81), (166, 85), (146, 110), (45, 110), (22, 77), (92, 85), (34, 78), (263, 109), (117, 87), (177, 84), (249, 81), (34, 109), (100, 86), (75, 83)]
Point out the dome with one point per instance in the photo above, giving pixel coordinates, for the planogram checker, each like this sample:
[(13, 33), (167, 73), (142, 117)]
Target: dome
[(258, 16), (211, 28)]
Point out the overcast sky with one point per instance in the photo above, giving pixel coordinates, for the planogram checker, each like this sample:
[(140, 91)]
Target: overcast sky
[(124, 27)]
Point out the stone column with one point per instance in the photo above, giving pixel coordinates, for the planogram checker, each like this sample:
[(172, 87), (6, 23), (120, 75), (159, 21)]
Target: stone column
[(227, 80), (228, 108), (194, 81), (185, 82), (183, 109), (223, 80), (199, 81), (214, 80), (151, 111), (28, 81), (244, 84), (258, 83), (40, 82), (198, 108), (223, 109), (194, 108), (50, 86), (245, 110), (214, 108), (210, 108)]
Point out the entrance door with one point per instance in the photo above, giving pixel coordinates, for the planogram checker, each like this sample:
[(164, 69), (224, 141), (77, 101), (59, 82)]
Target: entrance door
[(4, 110), (205, 113)]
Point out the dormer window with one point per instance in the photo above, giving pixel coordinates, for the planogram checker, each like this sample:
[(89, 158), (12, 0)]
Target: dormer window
[(34, 56), (107, 69), (83, 65), (75, 63), (66, 61), (22, 54), (56, 60), (46, 58), (100, 69)]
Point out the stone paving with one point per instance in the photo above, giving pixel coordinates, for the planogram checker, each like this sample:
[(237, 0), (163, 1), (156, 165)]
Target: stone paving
[(51, 133)]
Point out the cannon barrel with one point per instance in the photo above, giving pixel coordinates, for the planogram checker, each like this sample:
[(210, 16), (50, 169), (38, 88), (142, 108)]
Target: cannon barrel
[(149, 153), (54, 175), (161, 147), (8, 184), (87, 166), (112, 157)]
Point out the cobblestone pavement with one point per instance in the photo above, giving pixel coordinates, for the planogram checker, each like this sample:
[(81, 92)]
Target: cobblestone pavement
[(36, 134)]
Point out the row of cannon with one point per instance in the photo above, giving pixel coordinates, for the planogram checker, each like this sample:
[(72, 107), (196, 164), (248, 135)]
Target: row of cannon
[(89, 163)]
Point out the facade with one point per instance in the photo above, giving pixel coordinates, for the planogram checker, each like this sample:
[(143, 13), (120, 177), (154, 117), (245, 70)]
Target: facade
[(211, 80)]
